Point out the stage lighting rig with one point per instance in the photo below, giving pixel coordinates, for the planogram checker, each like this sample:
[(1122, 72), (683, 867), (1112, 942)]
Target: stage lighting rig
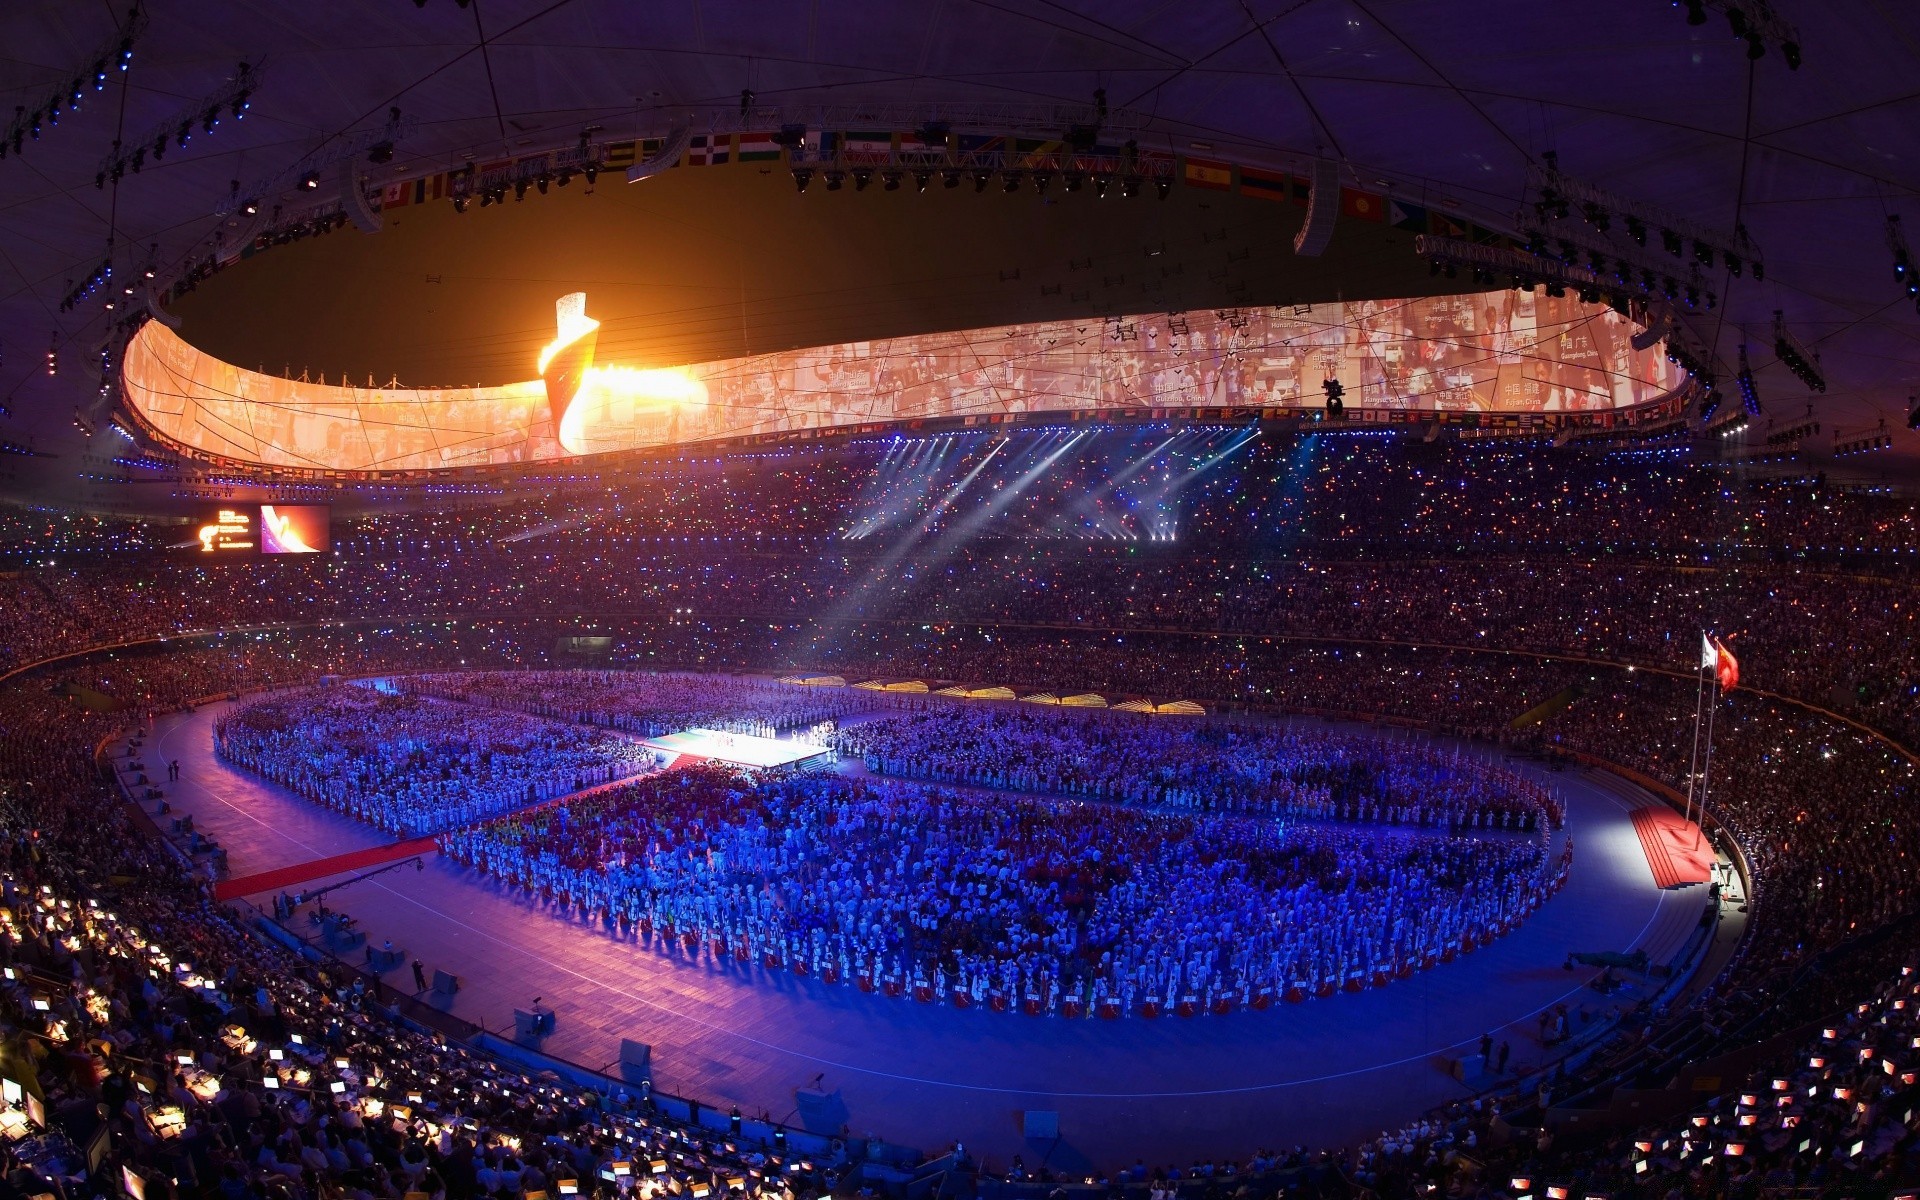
[(118, 49), (1709, 405), (1556, 193), (305, 174), (1904, 272), (1749, 395), (88, 286), (1796, 358), (1753, 22), (1862, 441)]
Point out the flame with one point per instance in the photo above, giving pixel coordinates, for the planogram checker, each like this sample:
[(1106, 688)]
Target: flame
[(624, 392), (570, 313)]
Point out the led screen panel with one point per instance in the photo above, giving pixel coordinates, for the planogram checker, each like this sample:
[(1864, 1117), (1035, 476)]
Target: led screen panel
[(1492, 352), (296, 528)]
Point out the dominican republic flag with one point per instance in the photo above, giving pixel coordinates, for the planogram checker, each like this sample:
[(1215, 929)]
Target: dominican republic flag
[(704, 149), (1715, 656)]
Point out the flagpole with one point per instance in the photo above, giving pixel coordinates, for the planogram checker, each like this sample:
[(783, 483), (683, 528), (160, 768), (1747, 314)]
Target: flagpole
[(1693, 764), (1706, 766)]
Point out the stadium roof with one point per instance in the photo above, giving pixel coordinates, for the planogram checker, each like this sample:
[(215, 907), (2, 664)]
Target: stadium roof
[(1459, 103)]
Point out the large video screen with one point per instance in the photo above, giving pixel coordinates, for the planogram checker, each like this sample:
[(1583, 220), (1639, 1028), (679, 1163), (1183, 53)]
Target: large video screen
[(296, 529), (229, 529), (1491, 352), (233, 529)]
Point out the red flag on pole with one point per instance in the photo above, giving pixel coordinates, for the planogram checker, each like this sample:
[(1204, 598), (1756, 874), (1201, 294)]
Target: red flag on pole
[(1726, 668)]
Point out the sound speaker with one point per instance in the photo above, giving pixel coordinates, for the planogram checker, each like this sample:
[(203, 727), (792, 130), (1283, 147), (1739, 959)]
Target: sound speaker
[(353, 200), (820, 1111), (1323, 208), (1040, 1124), (636, 1059)]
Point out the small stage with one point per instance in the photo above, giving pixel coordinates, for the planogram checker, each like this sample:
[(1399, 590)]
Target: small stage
[(739, 749), (1677, 853)]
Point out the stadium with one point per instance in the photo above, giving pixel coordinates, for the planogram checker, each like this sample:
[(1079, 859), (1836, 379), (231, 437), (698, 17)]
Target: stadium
[(1023, 600)]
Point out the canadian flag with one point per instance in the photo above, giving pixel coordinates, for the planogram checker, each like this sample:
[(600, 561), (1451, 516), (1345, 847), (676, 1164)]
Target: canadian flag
[(1714, 655)]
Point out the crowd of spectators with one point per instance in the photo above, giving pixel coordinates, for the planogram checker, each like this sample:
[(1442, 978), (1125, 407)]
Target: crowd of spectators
[(1062, 907), (160, 1047), (1475, 562), (1848, 855), (1513, 548), (414, 765)]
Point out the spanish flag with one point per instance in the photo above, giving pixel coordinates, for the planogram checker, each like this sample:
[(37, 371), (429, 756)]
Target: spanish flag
[(1206, 173)]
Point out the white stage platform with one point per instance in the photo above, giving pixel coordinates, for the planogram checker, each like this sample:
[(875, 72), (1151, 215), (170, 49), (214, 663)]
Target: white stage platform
[(739, 749)]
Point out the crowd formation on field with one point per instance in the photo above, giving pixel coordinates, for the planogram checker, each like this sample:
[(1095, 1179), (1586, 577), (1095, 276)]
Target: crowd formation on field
[(647, 703), (413, 765), (1208, 767), (1062, 906)]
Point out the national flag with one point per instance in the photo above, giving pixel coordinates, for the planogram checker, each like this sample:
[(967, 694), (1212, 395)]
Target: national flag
[(704, 150), (866, 147), (915, 143), (1266, 185), (619, 155), (1362, 206), (1208, 173), (758, 147), (979, 143), (395, 194), (1482, 236), (1410, 217), (1709, 654), (1726, 667), (1036, 153), (1442, 225)]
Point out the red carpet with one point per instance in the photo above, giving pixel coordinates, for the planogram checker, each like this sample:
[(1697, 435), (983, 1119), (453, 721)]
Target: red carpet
[(282, 878), (1676, 850)]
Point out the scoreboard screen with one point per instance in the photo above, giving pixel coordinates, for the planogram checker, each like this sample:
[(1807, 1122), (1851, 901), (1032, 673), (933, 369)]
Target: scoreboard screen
[(265, 529)]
